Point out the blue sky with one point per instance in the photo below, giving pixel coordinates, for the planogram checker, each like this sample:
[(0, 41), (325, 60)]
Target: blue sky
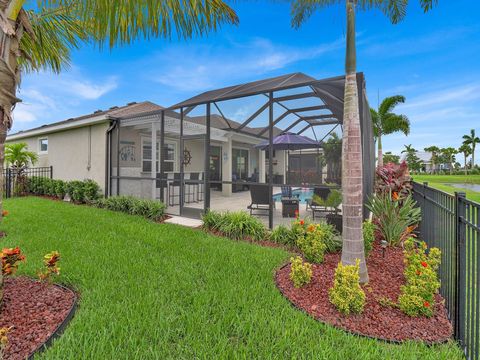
[(432, 59)]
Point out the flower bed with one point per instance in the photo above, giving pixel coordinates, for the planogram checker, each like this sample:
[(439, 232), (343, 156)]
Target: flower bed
[(378, 320), (36, 311)]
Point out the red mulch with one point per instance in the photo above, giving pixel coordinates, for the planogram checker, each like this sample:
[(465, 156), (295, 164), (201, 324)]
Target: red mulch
[(386, 277), (35, 310)]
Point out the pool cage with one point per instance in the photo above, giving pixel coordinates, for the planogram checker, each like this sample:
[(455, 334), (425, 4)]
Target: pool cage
[(206, 152)]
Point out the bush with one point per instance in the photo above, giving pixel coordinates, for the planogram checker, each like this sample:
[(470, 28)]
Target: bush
[(346, 294), (283, 235), (395, 219), (60, 189), (91, 190), (312, 244), (368, 235), (211, 220), (235, 225), (300, 272), (393, 178), (417, 296), (85, 191), (150, 209), (76, 191)]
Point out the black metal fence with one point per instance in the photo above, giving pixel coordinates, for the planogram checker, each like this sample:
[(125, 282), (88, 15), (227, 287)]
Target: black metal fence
[(452, 223), (11, 177)]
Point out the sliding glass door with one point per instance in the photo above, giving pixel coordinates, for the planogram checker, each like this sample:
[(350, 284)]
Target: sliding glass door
[(240, 164)]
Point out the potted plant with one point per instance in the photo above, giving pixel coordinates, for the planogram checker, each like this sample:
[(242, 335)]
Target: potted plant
[(333, 201)]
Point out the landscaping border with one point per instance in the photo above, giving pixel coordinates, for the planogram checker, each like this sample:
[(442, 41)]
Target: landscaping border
[(355, 333), (60, 328)]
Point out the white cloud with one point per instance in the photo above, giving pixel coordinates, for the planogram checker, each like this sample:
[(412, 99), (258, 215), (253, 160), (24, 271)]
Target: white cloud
[(91, 91)]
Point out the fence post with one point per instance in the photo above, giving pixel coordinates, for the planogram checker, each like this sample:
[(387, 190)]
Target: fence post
[(460, 258), (9, 183), (51, 172)]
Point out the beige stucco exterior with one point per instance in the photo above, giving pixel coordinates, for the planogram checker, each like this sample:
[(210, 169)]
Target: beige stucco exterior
[(75, 154)]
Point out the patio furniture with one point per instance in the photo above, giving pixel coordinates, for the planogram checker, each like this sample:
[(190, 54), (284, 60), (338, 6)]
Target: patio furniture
[(161, 183), (238, 186), (171, 189), (260, 199), (194, 183), (315, 207), (290, 207)]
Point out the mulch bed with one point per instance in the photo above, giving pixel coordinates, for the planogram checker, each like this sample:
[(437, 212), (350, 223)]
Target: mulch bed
[(385, 279), (34, 310)]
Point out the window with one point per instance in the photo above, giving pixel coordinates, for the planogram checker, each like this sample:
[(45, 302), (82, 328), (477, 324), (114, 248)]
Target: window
[(43, 145), (169, 161)]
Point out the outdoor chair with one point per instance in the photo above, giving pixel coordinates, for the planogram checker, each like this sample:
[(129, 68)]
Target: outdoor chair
[(171, 189), (193, 183), (315, 207), (260, 199)]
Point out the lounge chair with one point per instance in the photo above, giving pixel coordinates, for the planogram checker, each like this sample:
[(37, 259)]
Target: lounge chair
[(315, 207), (260, 199)]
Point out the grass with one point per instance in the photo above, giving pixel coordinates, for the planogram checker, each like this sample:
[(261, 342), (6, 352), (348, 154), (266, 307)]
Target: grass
[(442, 182), (151, 291)]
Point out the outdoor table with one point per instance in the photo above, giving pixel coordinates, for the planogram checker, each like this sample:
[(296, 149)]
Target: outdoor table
[(290, 207)]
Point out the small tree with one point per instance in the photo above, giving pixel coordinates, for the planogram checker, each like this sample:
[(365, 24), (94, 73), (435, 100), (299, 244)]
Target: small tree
[(19, 158), (435, 151), (411, 158), (388, 157), (449, 157), (466, 150)]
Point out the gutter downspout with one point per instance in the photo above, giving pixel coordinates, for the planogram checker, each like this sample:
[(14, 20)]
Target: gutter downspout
[(108, 163)]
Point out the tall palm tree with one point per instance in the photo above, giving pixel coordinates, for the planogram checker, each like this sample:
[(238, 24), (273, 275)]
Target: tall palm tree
[(386, 122), (435, 151), (352, 167), (472, 140), (466, 150), (42, 38)]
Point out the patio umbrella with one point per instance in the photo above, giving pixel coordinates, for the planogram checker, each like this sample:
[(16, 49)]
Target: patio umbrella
[(289, 141)]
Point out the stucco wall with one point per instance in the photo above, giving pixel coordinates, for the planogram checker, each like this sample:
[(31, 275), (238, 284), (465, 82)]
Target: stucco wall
[(71, 153)]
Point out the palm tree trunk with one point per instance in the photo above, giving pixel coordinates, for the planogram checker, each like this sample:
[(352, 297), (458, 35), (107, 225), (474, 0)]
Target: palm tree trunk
[(473, 154), (352, 166), (11, 32), (465, 162), (380, 151)]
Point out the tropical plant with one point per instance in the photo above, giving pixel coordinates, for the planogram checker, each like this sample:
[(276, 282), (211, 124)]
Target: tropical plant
[(466, 151), (393, 179), (386, 122), (471, 140), (388, 157), (283, 235), (312, 244), (39, 35), (449, 156), (300, 272), (235, 225), (368, 235), (19, 158), (435, 154), (150, 209), (352, 185), (395, 219), (50, 264), (332, 149)]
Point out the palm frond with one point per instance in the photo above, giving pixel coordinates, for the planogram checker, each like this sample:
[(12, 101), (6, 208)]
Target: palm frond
[(123, 21), (301, 10), (428, 5), (55, 33), (393, 123), (376, 122), (389, 103)]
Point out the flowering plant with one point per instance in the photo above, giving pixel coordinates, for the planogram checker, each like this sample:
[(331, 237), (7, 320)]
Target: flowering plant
[(346, 294), (417, 296), (394, 179), (11, 257), (50, 262)]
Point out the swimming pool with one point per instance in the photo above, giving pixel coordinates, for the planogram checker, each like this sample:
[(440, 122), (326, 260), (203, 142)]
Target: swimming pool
[(302, 193)]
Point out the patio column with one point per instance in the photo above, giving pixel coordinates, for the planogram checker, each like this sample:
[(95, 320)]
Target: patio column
[(154, 159), (261, 166), (270, 158), (227, 167)]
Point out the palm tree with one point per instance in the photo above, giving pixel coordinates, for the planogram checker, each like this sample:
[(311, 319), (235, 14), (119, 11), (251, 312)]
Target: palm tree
[(472, 140), (18, 156), (352, 167), (466, 150), (42, 38), (449, 154), (386, 122), (435, 151), (408, 149)]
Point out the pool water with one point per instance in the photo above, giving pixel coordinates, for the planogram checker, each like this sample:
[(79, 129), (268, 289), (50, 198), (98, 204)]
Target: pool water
[(473, 187), (303, 194)]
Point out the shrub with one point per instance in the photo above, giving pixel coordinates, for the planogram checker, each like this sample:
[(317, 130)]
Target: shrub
[(11, 257), (346, 294), (76, 191), (60, 189), (368, 235), (91, 190), (50, 263), (312, 244), (283, 235), (393, 178), (417, 296), (150, 209), (395, 220), (211, 220), (300, 272), (235, 225)]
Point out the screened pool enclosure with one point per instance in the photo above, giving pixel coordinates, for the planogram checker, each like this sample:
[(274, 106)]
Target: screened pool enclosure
[(219, 150)]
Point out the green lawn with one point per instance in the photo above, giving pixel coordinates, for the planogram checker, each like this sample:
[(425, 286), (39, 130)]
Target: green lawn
[(151, 291), (441, 182)]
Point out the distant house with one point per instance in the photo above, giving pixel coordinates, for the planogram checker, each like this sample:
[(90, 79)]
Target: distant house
[(426, 160)]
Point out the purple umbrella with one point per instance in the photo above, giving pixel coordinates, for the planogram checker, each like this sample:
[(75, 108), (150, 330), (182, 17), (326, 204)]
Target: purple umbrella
[(289, 141)]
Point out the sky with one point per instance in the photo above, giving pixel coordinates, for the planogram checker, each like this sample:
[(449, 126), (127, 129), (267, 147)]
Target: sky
[(432, 59)]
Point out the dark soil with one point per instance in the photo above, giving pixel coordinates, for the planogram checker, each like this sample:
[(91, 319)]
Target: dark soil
[(34, 310), (383, 322)]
